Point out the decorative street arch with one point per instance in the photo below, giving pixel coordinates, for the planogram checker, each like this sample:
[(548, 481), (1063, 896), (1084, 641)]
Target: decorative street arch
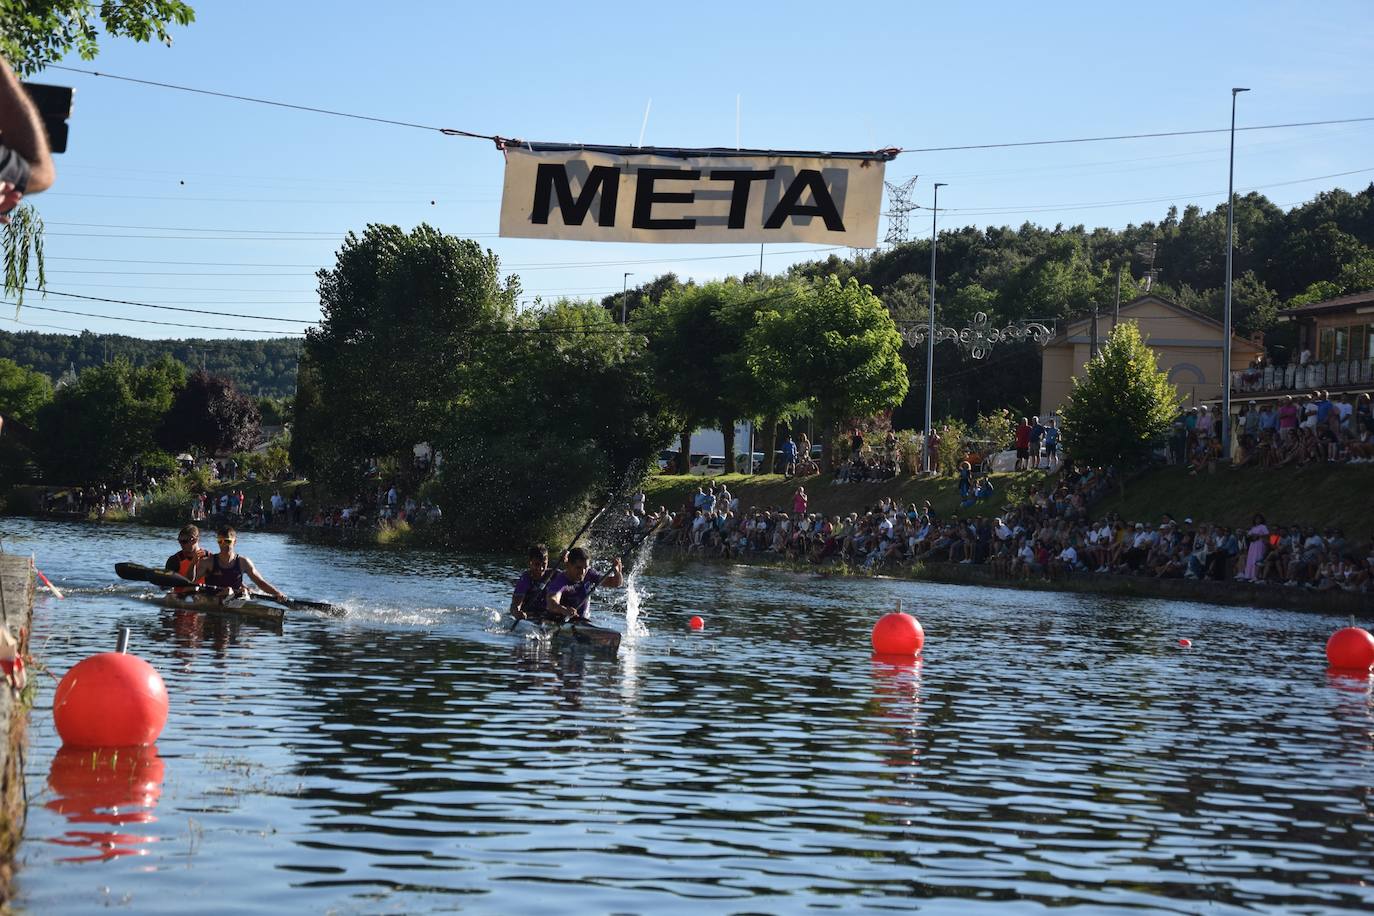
[(978, 337)]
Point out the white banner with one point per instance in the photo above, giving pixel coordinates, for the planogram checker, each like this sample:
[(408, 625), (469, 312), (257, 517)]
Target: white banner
[(627, 196)]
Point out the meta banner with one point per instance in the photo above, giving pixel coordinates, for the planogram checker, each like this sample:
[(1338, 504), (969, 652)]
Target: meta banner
[(608, 194)]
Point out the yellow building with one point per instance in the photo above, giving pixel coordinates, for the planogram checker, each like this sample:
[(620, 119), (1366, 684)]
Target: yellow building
[(1187, 346)]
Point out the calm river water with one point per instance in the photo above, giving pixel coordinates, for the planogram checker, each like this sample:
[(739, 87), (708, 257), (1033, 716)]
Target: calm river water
[(1051, 750)]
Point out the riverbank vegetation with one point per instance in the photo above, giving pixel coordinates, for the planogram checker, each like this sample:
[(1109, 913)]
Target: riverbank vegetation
[(425, 374)]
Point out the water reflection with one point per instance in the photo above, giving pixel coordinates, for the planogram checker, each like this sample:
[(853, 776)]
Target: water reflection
[(1053, 750), (110, 787)]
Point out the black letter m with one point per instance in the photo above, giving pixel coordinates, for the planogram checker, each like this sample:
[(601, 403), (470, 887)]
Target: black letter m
[(553, 178)]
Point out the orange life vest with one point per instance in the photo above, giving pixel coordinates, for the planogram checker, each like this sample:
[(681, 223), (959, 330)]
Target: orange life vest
[(187, 567)]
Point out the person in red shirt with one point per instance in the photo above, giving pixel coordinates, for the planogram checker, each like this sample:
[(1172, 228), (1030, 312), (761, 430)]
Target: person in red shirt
[(1023, 434)]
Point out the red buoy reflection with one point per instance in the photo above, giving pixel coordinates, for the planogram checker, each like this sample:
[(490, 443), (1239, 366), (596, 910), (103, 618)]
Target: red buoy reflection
[(109, 787)]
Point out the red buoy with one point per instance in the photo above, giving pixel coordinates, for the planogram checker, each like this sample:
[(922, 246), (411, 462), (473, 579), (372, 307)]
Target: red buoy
[(110, 700), (898, 634), (1186, 643), (696, 623), (1351, 647)]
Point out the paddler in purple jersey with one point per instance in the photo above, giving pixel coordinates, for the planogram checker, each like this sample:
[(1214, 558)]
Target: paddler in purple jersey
[(528, 600), (569, 592)]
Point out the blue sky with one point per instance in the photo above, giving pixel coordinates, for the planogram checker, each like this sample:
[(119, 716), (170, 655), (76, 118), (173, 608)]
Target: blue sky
[(178, 199)]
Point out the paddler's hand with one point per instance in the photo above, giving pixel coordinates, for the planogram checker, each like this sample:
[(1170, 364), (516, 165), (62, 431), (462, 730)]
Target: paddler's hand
[(618, 566)]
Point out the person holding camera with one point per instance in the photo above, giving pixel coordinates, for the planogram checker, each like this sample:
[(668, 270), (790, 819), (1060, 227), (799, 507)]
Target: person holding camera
[(25, 160)]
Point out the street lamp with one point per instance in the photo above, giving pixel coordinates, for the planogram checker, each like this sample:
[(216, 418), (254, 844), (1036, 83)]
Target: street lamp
[(1226, 305), (624, 294), (930, 333)]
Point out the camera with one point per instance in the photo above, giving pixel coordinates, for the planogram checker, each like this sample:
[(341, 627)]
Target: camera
[(54, 104)]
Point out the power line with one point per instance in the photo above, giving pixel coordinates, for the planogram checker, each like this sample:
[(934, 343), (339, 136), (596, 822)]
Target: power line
[(170, 324), (186, 263), (1164, 133), (244, 98), (169, 308), (1147, 200), (500, 141)]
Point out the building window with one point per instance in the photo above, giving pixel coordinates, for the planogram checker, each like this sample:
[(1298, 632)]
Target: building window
[(1326, 344), (1342, 348), (1359, 336)]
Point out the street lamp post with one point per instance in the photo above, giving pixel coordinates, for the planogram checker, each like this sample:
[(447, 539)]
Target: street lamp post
[(1226, 305), (930, 334), (624, 294)]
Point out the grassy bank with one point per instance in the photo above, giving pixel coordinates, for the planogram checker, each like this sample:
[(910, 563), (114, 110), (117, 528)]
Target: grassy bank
[(1321, 495)]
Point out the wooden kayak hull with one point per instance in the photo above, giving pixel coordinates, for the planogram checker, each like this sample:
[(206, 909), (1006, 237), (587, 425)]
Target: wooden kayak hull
[(244, 607)]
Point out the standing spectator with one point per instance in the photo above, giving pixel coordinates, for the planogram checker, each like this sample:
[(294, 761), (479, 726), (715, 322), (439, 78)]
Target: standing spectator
[(1037, 436), (789, 457), (1259, 542), (799, 501), (1023, 434), (933, 450), (856, 442), (1051, 443)]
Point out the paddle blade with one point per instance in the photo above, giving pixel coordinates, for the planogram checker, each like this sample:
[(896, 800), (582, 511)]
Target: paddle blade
[(140, 573), (333, 610), (596, 637)]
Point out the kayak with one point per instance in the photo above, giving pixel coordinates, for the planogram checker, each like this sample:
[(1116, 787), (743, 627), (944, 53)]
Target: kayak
[(583, 634), (246, 607)]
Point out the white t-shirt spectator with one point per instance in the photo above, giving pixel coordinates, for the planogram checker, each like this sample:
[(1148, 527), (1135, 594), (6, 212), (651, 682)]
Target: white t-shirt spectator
[(1069, 555)]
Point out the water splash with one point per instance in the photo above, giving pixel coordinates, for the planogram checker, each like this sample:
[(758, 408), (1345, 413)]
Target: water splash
[(634, 598)]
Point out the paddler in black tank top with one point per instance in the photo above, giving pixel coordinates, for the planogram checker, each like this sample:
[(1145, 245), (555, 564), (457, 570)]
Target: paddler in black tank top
[(225, 570)]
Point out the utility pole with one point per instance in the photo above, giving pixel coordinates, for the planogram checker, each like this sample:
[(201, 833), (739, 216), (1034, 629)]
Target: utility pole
[(624, 294), (1226, 306), (1116, 312), (930, 335)]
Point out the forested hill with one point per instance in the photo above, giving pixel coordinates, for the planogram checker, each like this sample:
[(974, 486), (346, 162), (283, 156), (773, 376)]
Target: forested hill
[(258, 367)]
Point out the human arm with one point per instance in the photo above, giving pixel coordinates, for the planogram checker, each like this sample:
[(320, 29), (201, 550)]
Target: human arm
[(263, 584), (616, 577), (22, 131)]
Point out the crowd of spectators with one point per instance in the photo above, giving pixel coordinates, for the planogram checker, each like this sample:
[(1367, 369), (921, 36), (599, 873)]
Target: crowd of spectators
[(1314, 429), (1049, 534), (386, 508)]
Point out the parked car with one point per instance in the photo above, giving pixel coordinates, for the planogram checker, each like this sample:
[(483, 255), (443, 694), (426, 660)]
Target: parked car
[(708, 465), (742, 463)]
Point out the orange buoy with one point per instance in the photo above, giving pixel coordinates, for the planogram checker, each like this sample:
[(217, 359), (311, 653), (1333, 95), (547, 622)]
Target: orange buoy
[(696, 623), (1351, 647), (110, 700), (898, 634)]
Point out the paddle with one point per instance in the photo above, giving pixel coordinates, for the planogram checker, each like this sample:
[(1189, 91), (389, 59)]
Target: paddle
[(165, 579), (553, 570), (603, 637)]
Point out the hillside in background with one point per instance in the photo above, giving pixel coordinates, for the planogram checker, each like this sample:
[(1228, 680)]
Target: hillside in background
[(258, 367)]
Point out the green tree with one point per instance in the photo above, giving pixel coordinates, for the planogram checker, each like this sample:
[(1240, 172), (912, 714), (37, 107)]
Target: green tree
[(832, 346), (575, 415), (34, 33), (415, 326), (94, 430), (1121, 406), (22, 392), (696, 338)]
